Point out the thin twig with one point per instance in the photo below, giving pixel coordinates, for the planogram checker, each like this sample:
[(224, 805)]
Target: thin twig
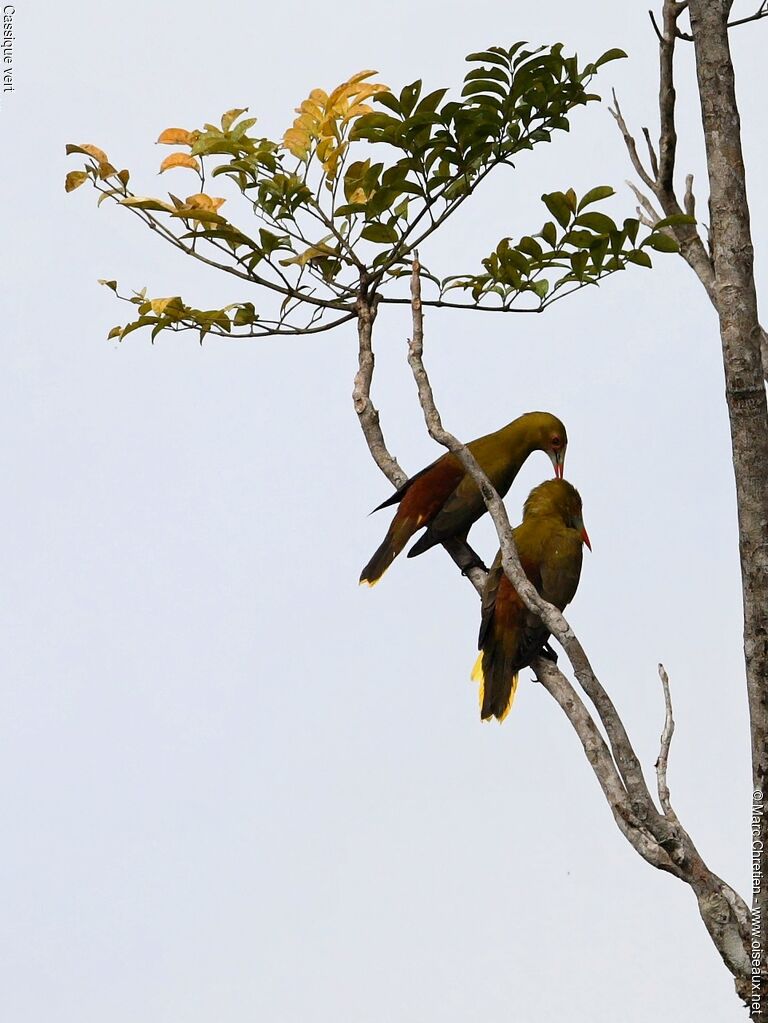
[(646, 211), (689, 200), (459, 550), (630, 143), (666, 741), (367, 413), (651, 153)]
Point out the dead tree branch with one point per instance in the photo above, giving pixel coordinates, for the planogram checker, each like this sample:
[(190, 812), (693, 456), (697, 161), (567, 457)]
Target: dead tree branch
[(368, 417), (666, 742), (660, 179), (656, 836)]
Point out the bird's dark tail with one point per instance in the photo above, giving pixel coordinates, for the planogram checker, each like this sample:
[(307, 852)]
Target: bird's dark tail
[(498, 682), (424, 543), (398, 535)]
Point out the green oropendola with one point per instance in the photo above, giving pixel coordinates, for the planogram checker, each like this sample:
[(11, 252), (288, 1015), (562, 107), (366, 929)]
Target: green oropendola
[(549, 541), (444, 498)]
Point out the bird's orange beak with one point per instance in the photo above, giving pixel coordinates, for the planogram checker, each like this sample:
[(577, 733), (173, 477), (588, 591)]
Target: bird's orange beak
[(558, 461), (585, 537)]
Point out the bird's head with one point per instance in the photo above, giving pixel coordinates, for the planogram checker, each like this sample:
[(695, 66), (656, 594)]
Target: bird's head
[(547, 433), (558, 498)]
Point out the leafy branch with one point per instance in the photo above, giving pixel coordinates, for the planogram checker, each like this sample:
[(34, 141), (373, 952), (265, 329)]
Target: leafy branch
[(334, 223)]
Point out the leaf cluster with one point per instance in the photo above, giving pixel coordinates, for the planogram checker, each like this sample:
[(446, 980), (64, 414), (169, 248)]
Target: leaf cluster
[(578, 247), (363, 177)]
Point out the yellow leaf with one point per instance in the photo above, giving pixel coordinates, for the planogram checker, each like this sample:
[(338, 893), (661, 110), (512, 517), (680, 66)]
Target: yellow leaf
[(297, 142), (106, 170), (309, 254), (324, 147), (357, 110), (109, 194), (361, 75), (228, 119), (147, 203), (124, 176), (179, 160), (98, 154), (359, 195), (370, 89), (74, 180), (158, 305), (202, 216), (314, 110), (307, 122), (324, 119), (175, 137), (201, 201)]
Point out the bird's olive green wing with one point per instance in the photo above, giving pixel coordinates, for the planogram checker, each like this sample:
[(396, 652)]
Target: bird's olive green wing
[(559, 571), (561, 567), (488, 600)]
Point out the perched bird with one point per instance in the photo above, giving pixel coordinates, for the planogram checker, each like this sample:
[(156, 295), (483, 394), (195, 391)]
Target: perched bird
[(444, 498), (549, 541)]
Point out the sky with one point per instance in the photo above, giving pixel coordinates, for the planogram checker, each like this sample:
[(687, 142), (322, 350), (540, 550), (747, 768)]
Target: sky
[(236, 786)]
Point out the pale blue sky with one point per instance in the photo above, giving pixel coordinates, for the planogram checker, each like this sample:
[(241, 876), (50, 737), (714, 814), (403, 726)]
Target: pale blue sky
[(235, 786)]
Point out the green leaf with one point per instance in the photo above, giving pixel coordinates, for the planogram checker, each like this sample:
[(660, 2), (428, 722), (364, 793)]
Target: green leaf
[(245, 315), (597, 222), (530, 246), (662, 243), (557, 205), (408, 97), (517, 260), (228, 119), (490, 56), (109, 284), (549, 233), (674, 221), (631, 227), (143, 321), (381, 233), (639, 257), (386, 99), (579, 239), (614, 54), (477, 89), (595, 195), (272, 242), (430, 103), (579, 262)]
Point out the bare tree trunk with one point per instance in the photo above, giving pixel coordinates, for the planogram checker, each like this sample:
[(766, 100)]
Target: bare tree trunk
[(736, 303)]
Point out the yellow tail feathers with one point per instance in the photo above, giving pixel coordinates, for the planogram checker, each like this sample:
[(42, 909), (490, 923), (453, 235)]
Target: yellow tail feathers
[(478, 675)]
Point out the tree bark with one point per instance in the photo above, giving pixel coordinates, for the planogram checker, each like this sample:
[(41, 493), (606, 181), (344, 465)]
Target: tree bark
[(736, 302)]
